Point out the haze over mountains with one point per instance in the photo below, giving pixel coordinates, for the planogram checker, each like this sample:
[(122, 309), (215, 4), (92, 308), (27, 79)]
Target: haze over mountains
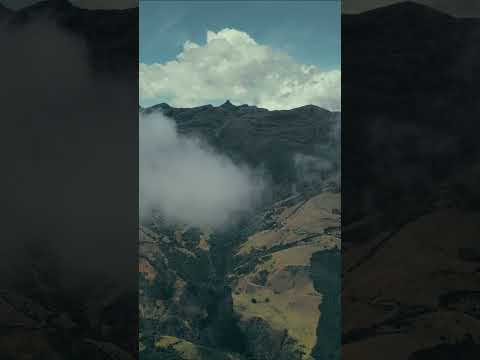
[(261, 138)]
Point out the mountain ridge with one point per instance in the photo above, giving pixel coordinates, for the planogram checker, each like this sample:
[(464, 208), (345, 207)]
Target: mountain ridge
[(228, 105)]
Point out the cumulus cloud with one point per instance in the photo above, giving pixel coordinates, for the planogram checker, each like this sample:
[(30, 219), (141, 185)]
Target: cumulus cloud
[(186, 180), (231, 64)]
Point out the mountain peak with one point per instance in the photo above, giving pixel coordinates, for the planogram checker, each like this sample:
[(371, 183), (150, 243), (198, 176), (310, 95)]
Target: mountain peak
[(162, 106), (228, 105)]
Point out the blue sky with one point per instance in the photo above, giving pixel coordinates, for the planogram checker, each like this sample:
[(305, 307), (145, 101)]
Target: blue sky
[(272, 54), (308, 30)]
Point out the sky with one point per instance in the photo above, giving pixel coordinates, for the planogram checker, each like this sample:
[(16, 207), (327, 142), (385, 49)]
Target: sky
[(270, 54), (165, 26)]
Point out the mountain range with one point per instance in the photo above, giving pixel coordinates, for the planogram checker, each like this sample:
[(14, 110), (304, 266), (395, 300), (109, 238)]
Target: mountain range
[(268, 285)]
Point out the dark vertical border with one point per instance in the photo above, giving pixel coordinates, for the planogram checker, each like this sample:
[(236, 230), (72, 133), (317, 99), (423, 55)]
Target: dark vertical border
[(410, 195), (69, 155)]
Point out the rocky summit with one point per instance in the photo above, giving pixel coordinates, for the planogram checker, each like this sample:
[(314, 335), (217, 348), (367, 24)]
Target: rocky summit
[(266, 286)]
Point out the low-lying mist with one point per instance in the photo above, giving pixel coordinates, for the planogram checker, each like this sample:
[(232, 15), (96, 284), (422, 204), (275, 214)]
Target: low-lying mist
[(187, 181)]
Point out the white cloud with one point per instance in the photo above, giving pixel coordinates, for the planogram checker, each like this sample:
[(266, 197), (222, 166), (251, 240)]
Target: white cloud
[(232, 65), (187, 181)]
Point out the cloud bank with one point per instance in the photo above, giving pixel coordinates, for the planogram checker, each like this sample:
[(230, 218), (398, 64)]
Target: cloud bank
[(233, 65), (187, 181)]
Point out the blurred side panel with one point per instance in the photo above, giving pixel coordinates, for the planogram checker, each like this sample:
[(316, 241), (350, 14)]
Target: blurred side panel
[(410, 171), (69, 157)]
